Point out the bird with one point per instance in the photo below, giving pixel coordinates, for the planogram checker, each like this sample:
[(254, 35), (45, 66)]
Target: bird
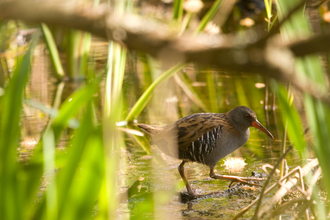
[(205, 138)]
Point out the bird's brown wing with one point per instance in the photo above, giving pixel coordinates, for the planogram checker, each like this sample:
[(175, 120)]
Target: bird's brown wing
[(179, 136), (193, 127)]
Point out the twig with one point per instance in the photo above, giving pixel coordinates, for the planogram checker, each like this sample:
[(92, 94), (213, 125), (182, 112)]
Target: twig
[(263, 189), (267, 165), (246, 208), (318, 4), (286, 187), (315, 177), (305, 170), (268, 180), (276, 28), (304, 209), (285, 206)]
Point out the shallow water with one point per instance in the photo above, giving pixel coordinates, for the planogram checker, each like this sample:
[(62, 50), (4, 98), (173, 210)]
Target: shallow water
[(160, 183), (259, 150)]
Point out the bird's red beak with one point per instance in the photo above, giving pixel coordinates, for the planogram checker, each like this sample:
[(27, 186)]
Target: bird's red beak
[(258, 125)]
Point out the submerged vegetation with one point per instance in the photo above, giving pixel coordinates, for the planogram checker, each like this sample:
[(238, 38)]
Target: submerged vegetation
[(76, 76)]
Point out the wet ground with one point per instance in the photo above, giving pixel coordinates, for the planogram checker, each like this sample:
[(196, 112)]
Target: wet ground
[(152, 178)]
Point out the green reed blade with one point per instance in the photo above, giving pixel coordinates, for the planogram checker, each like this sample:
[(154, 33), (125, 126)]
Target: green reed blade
[(291, 117), (241, 94), (209, 15), (268, 6), (85, 47), (112, 138), (184, 82), (12, 204), (177, 10), (143, 100), (86, 184), (49, 169), (317, 113), (72, 106), (212, 91), (55, 58), (74, 37), (74, 158)]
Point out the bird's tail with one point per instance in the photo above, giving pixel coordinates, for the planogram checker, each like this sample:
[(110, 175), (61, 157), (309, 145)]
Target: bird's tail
[(149, 130)]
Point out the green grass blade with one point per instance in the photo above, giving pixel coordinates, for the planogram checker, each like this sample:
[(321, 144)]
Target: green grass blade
[(113, 139), (74, 158), (143, 100), (74, 38), (72, 106), (268, 6), (291, 117), (185, 84), (178, 10), (119, 71), (212, 91), (108, 81), (209, 15), (49, 168), (11, 106), (317, 113), (241, 93), (55, 58), (86, 185), (86, 44)]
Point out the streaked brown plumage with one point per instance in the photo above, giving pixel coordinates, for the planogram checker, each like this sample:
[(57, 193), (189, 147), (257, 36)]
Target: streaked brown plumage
[(205, 138)]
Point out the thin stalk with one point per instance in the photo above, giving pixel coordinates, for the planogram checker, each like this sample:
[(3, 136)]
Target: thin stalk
[(283, 149), (263, 190), (108, 81), (118, 77), (317, 113), (74, 38), (266, 101), (112, 137), (86, 43), (185, 22), (282, 167), (240, 92), (268, 6), (212, 91)]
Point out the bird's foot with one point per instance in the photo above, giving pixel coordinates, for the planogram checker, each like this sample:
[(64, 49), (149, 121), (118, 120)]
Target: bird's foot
[(186, 197), (238, 179), (193, 194), (245, 182)]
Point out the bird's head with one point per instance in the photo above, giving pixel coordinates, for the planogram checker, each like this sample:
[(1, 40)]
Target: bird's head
[(243, 117)]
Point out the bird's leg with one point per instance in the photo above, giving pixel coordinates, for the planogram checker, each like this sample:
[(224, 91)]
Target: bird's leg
[(234, 178), (183, 176)]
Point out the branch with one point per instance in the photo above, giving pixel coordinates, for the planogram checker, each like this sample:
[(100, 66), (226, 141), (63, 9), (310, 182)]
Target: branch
[(226, 52)]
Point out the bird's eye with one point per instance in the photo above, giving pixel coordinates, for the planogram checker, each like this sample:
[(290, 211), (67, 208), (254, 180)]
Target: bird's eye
[(246, 115)]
